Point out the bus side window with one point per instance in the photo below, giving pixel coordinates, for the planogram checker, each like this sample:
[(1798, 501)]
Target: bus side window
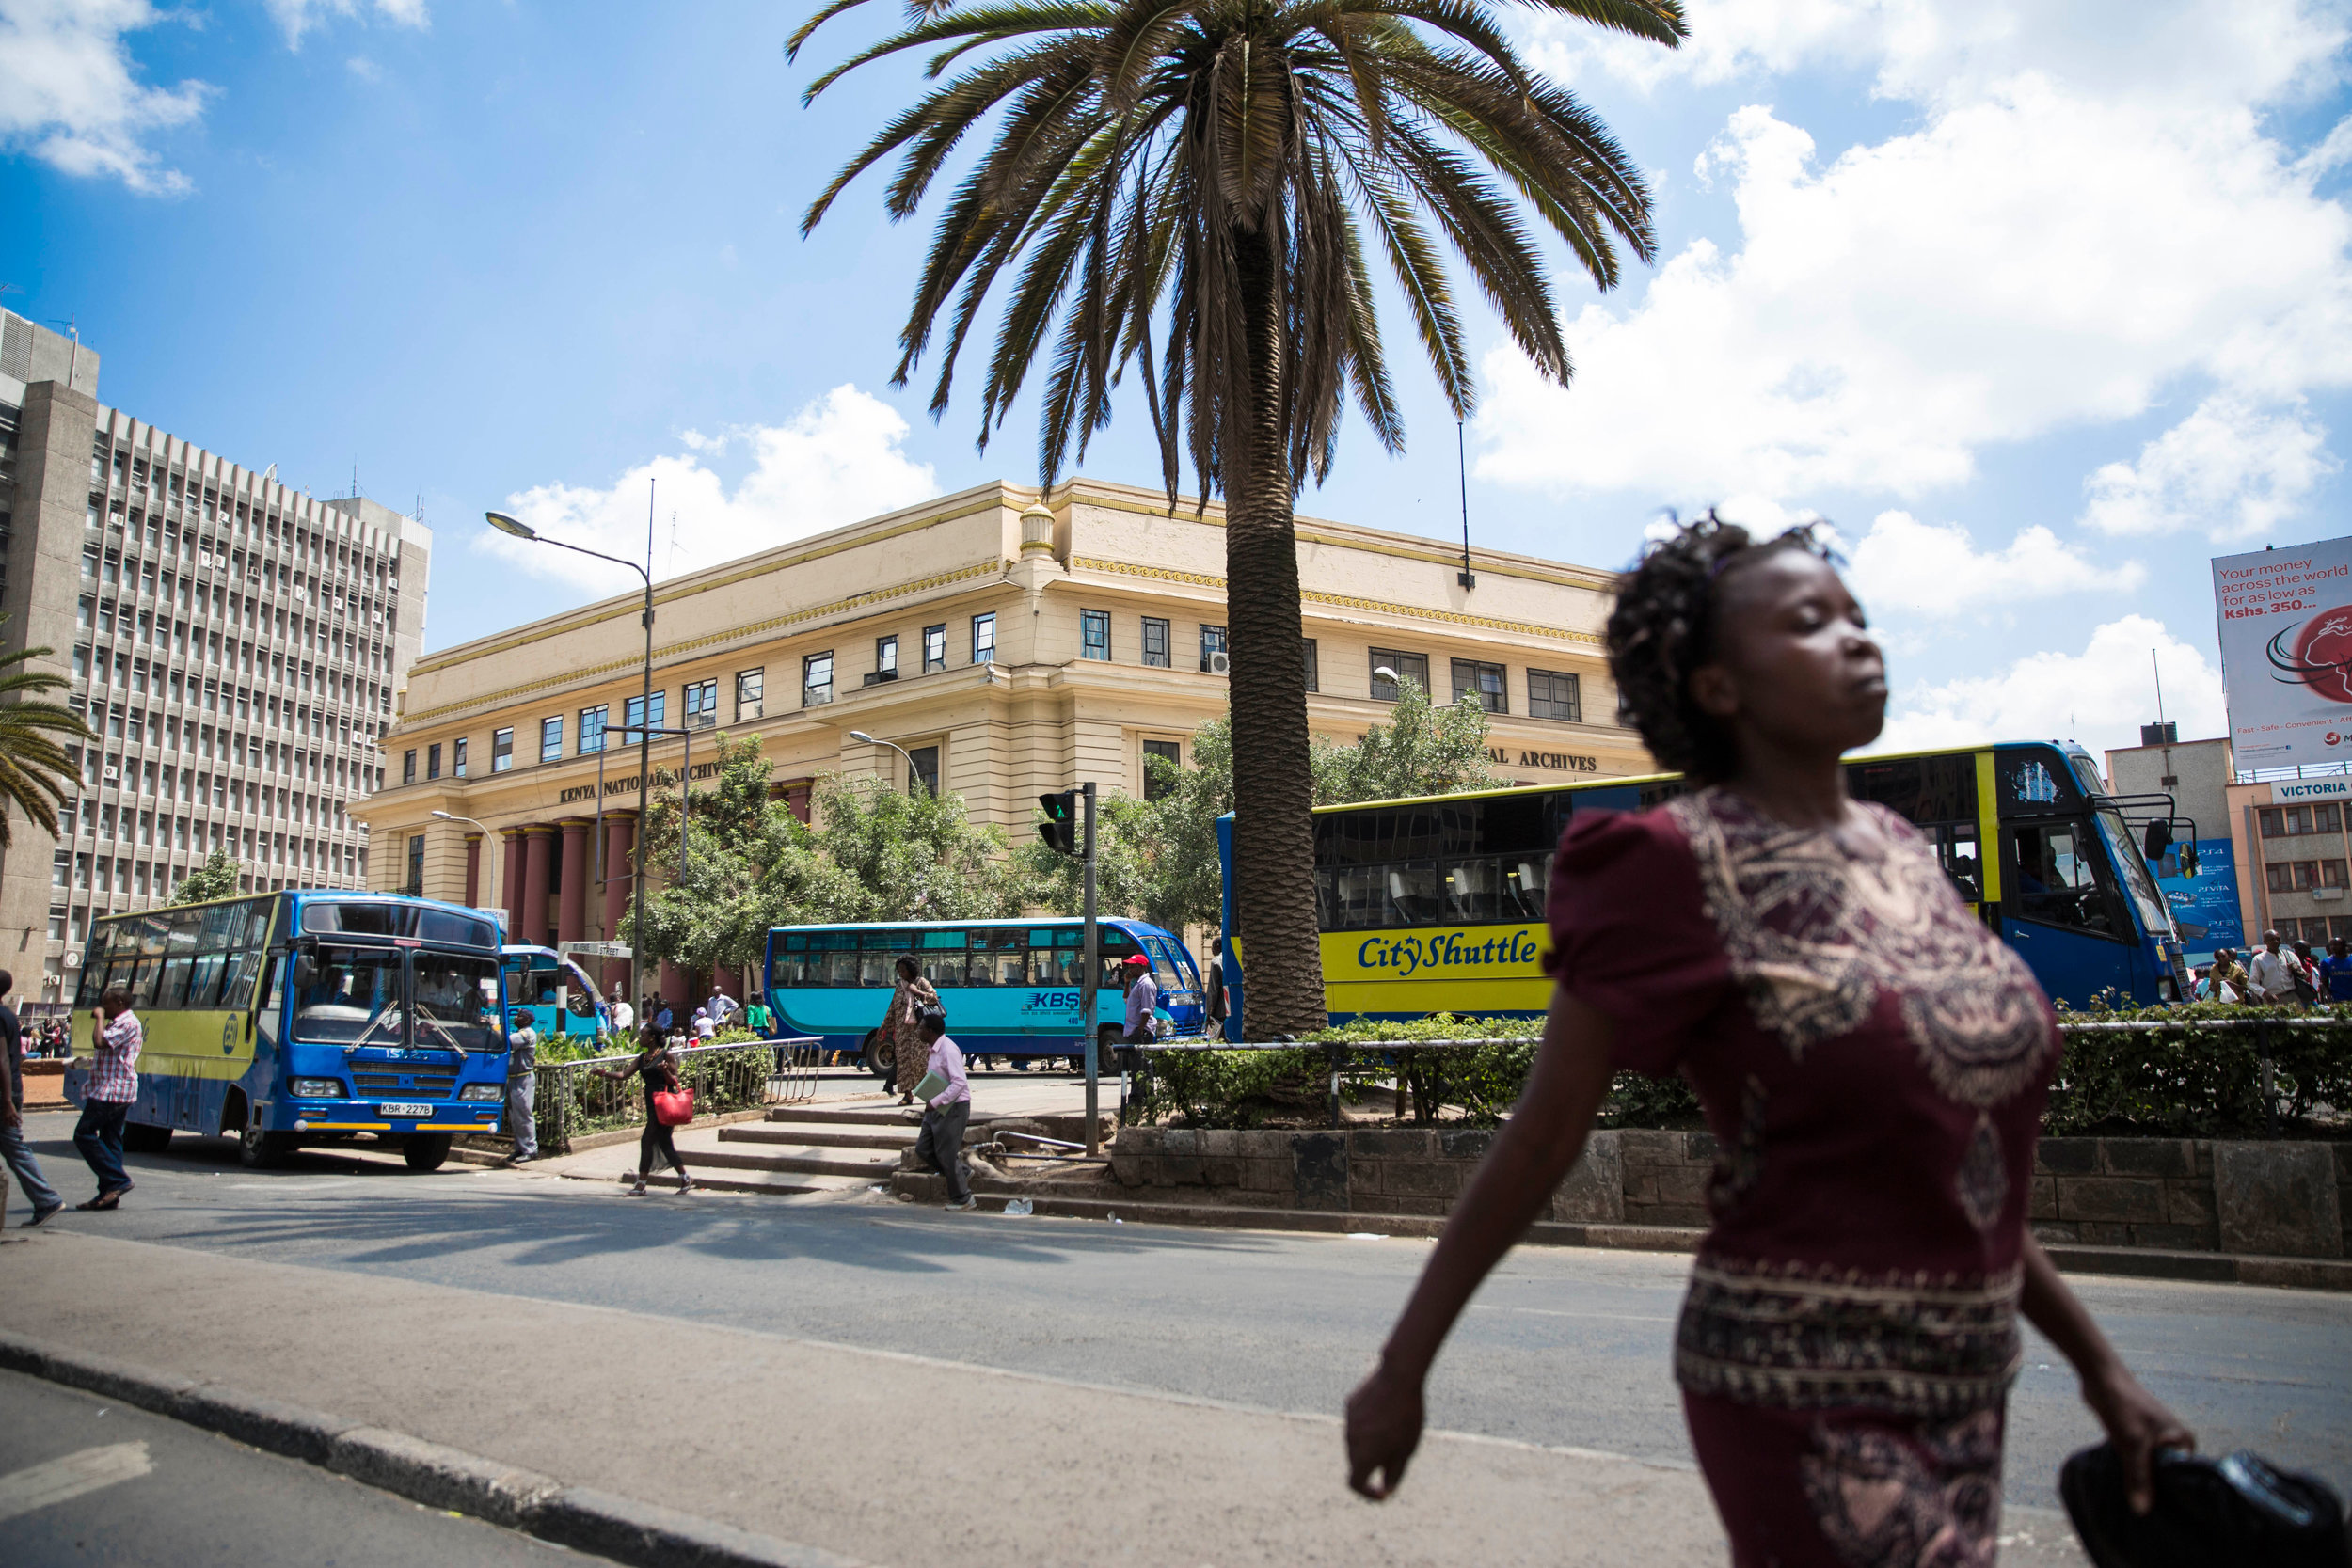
[(2059, 876), (1956, 845)]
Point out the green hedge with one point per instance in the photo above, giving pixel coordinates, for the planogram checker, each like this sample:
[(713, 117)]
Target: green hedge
[(2197, 1083), (572, 1101)]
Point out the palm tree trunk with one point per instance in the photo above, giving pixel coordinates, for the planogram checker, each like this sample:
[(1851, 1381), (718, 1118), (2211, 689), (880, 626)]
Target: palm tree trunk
[(1273, 778)]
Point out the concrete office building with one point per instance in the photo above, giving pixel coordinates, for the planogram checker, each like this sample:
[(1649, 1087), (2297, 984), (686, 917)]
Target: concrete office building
[(235, 643), (1011, 644)]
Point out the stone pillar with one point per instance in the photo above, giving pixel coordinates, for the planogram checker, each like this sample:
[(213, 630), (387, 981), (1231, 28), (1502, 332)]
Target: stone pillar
[(474, 869), (571, 919), (512, 887), (620, 838), (538, 851)]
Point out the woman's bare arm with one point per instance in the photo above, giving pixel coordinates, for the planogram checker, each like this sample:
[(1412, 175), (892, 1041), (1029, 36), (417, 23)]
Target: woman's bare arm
[(2136, 1421), (1535, 1149)]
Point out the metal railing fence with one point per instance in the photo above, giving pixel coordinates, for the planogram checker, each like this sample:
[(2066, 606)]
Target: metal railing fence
[(572, 1100)]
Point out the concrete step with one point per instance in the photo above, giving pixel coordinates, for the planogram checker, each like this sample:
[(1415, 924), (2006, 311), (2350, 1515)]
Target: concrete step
[(862, 1116), (873, 1166), (807, 1187), (807, 1134)]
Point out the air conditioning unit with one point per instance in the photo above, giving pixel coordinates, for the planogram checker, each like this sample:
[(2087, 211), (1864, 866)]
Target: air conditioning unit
[(73, 958), (113, 774), (1220, 663)]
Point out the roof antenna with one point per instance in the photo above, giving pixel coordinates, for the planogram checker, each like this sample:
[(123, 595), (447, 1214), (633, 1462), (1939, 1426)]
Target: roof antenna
[(2159, 669), (1466, 577)]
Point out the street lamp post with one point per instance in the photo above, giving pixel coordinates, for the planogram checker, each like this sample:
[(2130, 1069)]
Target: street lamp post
[(452, 816), (864, 739), (520, 529)]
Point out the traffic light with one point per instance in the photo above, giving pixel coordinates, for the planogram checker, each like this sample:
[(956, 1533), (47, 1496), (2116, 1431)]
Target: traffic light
[(1060, 828)]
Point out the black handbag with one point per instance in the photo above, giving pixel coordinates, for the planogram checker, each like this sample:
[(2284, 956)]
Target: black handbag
[(2238, 1508)]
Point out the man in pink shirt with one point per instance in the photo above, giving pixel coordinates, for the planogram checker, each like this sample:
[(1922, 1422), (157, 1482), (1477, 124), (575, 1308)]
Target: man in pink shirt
[(114, 1086), (940, 1143)]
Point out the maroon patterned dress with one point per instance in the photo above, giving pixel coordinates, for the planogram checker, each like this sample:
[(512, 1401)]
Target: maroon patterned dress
[(1872, 1062)]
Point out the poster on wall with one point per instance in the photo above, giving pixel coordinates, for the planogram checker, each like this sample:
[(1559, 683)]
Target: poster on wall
[(2286, 652), (2203, 891)]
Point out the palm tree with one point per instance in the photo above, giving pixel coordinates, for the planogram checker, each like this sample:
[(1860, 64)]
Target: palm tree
[(35, 770), (1224, 162)]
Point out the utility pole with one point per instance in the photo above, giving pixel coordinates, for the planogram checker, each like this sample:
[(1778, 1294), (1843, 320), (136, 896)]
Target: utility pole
[(1086, 988)]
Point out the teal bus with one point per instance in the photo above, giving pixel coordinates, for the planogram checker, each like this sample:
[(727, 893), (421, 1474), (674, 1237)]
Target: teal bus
[(305, 1017), (561, 999), (1436, 905), (1009, 987)]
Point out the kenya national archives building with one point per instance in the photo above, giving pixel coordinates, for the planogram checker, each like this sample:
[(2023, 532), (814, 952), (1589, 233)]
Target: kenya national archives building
[(1011, 644)]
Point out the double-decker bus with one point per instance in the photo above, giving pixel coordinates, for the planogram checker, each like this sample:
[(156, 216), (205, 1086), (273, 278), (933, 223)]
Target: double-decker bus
[(1436, 905), (306, 1017), (1009, 987), (557, 992)]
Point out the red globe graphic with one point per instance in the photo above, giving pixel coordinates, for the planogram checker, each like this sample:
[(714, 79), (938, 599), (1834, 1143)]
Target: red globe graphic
[(2322, 657)]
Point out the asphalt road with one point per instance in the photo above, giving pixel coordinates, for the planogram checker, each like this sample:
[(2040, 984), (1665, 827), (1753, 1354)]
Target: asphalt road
[(84, 1480), (1563, 1347)]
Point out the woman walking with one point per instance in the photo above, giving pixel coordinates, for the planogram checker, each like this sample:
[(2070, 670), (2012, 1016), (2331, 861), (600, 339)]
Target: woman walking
[(652, 1063), (1872, 1059), (902, 1027)]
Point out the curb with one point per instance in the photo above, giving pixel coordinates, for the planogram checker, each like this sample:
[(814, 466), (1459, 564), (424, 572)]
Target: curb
[(642, 1534)]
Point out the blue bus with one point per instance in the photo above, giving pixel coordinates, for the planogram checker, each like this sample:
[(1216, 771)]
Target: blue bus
[(1436, 905), (557, 992), (1009, 987), (307, 1017)]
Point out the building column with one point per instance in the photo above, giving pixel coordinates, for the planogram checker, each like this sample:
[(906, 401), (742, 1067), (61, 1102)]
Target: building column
[(473, 870), (571, 916), (512, 887), (538, 853), (620, 838), (677, 986)]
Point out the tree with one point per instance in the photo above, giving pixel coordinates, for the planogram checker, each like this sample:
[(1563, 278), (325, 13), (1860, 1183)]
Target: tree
[(1422, 749), (216, 878), (35, 770), (1220, 165), (913, 856)]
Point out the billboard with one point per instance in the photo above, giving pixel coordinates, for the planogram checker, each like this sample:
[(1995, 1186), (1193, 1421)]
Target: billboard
[(2286, 652), (2202, 891)]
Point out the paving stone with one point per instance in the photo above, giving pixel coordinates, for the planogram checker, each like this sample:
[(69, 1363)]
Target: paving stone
[(2279, 1199)]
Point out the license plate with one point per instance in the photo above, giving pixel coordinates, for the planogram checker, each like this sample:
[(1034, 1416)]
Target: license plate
[(409, 1112)]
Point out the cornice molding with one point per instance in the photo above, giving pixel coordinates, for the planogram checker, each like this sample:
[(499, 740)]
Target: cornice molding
[(1344, 601)]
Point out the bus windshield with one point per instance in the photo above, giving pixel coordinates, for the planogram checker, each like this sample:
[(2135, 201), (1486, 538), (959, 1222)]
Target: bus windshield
[(354, 999), (2156, 915), (456, 1001)]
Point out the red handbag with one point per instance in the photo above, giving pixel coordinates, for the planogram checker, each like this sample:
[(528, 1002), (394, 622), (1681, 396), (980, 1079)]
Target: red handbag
[(674, 1107)]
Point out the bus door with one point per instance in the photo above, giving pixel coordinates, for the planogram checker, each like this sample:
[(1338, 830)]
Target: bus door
[(2060, 903)]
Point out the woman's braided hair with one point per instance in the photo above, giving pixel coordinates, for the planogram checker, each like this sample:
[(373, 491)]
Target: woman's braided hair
[(1663, 627)]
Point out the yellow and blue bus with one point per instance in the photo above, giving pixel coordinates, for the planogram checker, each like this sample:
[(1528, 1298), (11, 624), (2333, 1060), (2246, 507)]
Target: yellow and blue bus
[(1009, 988), (556, 993), (1436, 905), (306, 1017)]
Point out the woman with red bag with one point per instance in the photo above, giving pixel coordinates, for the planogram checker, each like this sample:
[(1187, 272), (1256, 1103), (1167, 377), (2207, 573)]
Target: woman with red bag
[(652, 1063)]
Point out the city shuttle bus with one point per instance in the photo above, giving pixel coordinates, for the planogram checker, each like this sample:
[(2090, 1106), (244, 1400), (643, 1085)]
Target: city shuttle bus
[(1436, 905), (293, 1017), (557, 992), (1009, 987)]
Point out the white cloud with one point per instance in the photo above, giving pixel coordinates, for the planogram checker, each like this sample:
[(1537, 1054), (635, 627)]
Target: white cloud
[(2229, 470), (69, 95), (836, 461), (2099, 696), (297, 17), (1937, 570), (2029, 261)]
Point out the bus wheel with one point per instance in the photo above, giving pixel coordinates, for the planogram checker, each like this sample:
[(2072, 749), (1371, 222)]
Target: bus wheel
[(138, 1137), (1106, 1052), (260, 1150), (424, 1150), (877, 1056)]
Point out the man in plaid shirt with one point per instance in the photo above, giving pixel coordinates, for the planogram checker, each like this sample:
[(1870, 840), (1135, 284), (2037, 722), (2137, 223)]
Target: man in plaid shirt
[(114, 1084)]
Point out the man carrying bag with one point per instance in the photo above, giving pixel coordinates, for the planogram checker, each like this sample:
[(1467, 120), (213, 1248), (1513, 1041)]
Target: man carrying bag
[(947, 1097)]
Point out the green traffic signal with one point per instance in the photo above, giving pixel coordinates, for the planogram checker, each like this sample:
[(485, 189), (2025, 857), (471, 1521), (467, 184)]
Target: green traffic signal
[(1060, 828)]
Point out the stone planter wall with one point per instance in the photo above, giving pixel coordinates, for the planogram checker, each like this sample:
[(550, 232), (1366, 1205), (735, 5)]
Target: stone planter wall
[(2291, 1199)]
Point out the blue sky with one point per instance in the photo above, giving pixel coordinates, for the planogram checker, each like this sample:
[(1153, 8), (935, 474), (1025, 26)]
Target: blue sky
[(2042, 305)]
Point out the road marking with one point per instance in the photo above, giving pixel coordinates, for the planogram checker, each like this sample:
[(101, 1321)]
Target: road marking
[(1550, 1312), (63, 1480)]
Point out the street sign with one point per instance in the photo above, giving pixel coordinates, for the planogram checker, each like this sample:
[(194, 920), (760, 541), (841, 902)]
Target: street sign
[(593, 950), (2286, 652)]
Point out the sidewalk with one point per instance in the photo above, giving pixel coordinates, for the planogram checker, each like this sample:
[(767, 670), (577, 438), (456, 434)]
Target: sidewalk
[(885, 1458)]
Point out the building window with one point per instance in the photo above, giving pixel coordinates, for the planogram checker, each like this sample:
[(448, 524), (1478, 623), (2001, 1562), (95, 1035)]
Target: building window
[(457, 758), (1315, 670), (551, 739), (591, 728), (815, 679), (416, 865), (433, 761), (984, 639), (749, 700), (934, 648), (1487, 683), (1155, 642), (701, 705), (1552, 695), (1161, 780), (923, 772), (1213, 650), (409, 768), (1094, 634), (501, 751), (2287, 821), (886, 661), (2302, 876), (1412, 666), (634, 719)]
